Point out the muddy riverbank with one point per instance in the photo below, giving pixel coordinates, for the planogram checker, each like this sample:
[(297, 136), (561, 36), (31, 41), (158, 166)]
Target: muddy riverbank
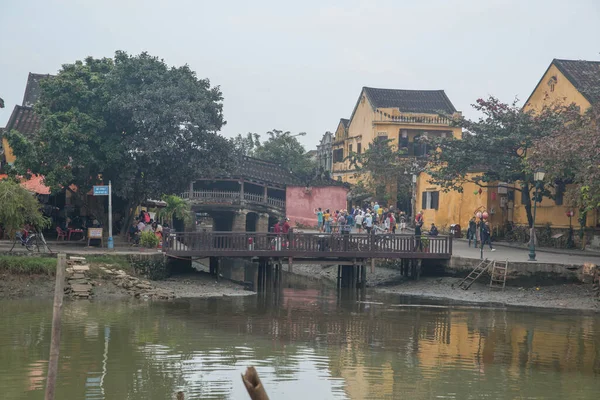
[(193, 285), (566, 296)]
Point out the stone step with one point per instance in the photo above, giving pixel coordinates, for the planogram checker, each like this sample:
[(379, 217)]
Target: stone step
[(81, 288), (76, 258), (81, 268), (77, 275)]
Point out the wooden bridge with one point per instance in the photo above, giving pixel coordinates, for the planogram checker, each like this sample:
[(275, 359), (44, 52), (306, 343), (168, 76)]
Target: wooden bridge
[(307, 246)]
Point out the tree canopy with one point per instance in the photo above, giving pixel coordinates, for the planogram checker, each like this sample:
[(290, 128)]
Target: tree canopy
[(572, 155), (19, 207), (133, 120), (281, 147), (385, 171), (495, 148)]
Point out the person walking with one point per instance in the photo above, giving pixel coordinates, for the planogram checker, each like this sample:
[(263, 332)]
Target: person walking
[(486, 235), (327, 221), (472, 232)]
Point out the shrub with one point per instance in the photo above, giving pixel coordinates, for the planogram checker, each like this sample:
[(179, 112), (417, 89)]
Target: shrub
[(149, 240), (27, 265)]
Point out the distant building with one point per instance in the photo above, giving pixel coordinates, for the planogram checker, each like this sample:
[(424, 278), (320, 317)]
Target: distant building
[(324, 152), (23, 118), (312, 155)]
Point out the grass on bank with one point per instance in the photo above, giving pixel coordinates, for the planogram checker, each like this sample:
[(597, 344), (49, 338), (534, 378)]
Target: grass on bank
[(24, 265)]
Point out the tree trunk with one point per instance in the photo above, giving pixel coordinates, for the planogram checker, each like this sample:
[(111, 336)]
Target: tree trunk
[(129, 215), (526, 192)]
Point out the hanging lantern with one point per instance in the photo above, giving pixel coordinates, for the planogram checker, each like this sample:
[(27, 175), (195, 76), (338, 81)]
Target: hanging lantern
[(480, 191), (475, 192), (493, 196), (570, 213), (485, 215), (478, 215)]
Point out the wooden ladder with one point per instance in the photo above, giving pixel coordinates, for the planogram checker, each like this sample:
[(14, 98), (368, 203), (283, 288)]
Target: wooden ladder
[(475, 274), (498, 275)]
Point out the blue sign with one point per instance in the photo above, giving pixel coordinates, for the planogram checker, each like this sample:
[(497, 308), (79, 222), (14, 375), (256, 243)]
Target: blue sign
[(100, 190)]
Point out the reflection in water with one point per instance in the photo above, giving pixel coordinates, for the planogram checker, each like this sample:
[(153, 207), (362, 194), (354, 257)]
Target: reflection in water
[(306, 342)]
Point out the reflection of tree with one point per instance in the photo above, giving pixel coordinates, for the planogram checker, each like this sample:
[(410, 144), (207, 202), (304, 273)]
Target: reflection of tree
[(377, 350)]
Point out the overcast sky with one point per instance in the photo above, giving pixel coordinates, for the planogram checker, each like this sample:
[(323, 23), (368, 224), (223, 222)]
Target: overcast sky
[(300, 65)]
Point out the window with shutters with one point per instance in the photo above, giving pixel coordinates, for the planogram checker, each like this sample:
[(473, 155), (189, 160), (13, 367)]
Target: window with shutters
[(350, 148), (359, 148), (430, 200)]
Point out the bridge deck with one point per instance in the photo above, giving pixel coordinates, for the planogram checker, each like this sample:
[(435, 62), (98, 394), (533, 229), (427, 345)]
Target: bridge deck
[(305, 245)]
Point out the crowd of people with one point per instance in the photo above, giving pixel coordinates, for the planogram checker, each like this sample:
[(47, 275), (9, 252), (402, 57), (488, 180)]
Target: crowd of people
[(371, 217), (145, 223)]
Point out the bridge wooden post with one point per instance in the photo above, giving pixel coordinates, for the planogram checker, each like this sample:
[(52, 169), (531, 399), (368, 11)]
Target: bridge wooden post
[(363, 270), (339, 276), (290, 264), (213, 264)]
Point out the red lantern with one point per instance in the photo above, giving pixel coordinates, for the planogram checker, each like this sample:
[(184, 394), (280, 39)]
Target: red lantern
[(570, 213), (493, 196), (485, 215), (480, 191)]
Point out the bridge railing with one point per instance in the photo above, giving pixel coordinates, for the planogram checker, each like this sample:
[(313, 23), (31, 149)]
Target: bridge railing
[(305, 243), (231, 197)]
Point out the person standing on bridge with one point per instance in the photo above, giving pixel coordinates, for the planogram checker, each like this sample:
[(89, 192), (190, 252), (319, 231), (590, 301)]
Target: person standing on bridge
[(368, 223), (418, 226), (319, 214)]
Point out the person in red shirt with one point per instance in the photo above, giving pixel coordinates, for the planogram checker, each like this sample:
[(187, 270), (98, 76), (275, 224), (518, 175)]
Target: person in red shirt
[(286, 227), (277, 228)]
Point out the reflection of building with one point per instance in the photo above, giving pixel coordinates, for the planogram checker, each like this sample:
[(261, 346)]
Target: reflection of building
[(324, 152), (403, 116)]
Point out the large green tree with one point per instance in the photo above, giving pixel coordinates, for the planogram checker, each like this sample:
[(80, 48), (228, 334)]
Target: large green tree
[(147, 127), (281, 147), (495, 147)]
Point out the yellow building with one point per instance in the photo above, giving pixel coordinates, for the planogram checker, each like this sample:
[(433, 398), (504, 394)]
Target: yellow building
[(565, 81), (399, 115)]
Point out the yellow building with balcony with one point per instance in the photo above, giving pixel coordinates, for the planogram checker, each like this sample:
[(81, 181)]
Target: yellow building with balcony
[(401, 116)]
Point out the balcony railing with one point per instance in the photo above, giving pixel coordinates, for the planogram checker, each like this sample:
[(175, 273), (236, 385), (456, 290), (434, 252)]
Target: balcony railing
[(413, 119), (231, 197)]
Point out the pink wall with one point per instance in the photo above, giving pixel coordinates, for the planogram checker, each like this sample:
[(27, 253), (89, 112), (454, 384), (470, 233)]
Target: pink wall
[(300, 205)]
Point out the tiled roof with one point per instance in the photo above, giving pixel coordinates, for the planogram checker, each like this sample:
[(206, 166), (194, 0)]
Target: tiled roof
[(23, 120), (32, 90), (416, 101), (345, 122), (265, 171), (584, 75)]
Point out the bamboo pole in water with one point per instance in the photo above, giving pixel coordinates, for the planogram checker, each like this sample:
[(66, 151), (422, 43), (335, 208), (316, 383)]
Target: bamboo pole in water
[(55, 339), (253, 385)]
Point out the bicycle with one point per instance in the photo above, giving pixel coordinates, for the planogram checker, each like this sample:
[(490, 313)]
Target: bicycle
[(30, 240)]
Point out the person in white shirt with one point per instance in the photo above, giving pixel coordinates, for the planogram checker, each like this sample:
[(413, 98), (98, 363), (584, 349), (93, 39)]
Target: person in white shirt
[(359, 220), (368, 223)]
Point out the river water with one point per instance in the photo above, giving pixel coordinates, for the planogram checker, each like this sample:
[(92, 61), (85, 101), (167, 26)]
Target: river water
[(307, 342)]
